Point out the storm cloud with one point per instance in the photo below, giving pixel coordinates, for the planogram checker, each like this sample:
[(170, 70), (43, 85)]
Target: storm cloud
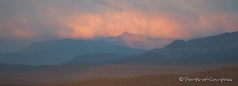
[(85, 19)]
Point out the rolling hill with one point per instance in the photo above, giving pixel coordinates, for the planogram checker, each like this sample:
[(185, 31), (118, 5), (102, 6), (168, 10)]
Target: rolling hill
[(102, 58)]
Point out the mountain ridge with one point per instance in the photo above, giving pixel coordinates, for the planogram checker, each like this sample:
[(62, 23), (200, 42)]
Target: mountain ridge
[(140, 41), (217, 49), (58, 51)]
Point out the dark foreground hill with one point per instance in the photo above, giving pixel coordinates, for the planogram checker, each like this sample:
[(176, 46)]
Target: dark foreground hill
[(228, 75), (22, 74), (222, 77)]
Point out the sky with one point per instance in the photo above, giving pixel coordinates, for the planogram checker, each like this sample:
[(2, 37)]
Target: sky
[(86, 19)]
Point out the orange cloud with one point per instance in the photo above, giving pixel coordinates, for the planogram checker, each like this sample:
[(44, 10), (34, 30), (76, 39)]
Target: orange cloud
[(87, 19), (23, 33), (114, 23)]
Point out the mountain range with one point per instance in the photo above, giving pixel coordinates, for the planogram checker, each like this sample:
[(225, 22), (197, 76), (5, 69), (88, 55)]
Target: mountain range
[(100, 58), (58, 51), (217, 49)]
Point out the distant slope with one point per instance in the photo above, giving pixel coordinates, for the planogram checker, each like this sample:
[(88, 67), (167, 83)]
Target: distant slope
[(7, 46), (226, 43), (209, 50), (96, 58), (4, 81), (167, 79), (58, 51)]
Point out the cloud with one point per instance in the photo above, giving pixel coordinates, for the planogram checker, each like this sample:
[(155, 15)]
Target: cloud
[(100, 2), (55, 19)]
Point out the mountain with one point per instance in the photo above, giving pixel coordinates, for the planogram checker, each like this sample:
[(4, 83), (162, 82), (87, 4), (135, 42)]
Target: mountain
[(97, 58), (140, 41), (217, 49), (7, 46), (226, 43), (58, 51)]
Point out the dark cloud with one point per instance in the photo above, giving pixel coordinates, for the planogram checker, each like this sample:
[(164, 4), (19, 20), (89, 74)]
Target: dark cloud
[(100, 2), (55, 19)]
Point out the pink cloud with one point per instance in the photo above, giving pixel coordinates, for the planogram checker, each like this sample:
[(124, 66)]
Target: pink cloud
[(180, 19)]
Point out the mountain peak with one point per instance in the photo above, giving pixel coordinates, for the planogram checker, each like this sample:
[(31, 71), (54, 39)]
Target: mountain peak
[(127, 33), (131, 37), (140, 41)]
